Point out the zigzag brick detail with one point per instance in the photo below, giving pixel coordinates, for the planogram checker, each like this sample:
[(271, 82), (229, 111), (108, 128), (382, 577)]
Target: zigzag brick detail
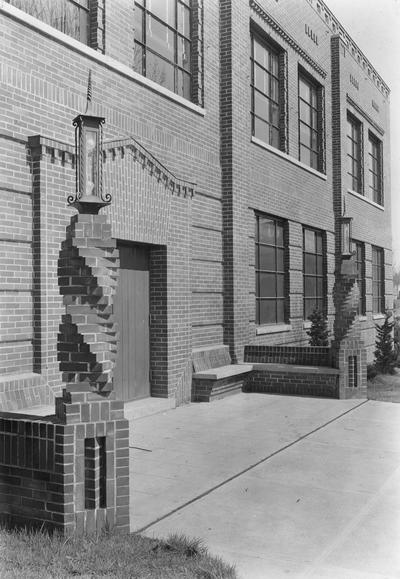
[(88, 270)]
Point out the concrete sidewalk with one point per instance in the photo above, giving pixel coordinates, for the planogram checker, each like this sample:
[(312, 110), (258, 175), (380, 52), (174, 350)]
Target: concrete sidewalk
[(280, 486)]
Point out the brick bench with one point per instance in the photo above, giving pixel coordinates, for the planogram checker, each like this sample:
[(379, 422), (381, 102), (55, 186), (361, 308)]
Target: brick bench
[(214, 375), (293, 379)]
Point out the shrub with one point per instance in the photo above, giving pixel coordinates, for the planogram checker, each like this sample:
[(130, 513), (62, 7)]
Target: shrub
[(318, 333), (384, 354), (371, 371)]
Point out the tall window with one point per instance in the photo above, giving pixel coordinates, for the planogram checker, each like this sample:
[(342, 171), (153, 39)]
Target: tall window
[(313, 271), (68, 16), (378, 281), (375, 169), (163, 43), (270, 271), (310, 123), (266, 93), (354, 154), (359, 257)]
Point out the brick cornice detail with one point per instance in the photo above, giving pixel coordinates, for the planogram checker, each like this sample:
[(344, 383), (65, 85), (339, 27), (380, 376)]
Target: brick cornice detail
[(39, 146), (147, 160), (366, 116), (286, 36)]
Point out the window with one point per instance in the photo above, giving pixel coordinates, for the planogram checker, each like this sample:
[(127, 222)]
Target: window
[(378, 281), (354, 154), (313, 272), (310, 123), (375, 169), (359, 257), (68, 16), (163, 43), (270, 271), (266, 88)]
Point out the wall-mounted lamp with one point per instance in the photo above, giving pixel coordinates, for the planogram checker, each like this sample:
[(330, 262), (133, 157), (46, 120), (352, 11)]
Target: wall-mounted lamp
[(346, 241), (89, 197)]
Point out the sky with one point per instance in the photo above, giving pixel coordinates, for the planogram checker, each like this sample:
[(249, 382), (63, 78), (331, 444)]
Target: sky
[(374, 25)]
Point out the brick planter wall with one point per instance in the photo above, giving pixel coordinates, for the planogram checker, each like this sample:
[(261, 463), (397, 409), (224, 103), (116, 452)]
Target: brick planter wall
[(302, 356)]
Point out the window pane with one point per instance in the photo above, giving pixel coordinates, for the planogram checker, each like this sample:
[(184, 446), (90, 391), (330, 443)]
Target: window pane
[(274, 89), (309, 240), (279, 234), (280, 313), (261, 79), (274, 137), (138, 59), (304, 134), (310, 286), (160, 38), (320, 288), (184, 84), (267, 258), (261, 105), (304, 90), (267, 312), (261, 130), (138, 24), (159, 70), (280, 285), (305, 155), (279, 260), (261, 54), (305, 113), (183, 53), (164, 9), (183, 20), (310, 265), (274, 115), (309, 306), (267, 230), (267, 285)]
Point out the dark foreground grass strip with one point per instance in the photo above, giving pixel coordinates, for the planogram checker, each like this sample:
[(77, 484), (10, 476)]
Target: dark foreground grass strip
[(237, 475)]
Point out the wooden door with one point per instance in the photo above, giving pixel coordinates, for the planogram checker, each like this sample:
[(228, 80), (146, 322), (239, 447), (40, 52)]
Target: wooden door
[(131, 306)]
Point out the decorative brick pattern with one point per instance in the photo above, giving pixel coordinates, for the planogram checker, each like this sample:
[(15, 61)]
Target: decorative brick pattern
[(286, 382), (301, 356)]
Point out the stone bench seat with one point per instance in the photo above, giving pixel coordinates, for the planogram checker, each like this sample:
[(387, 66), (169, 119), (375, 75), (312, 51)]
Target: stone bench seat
[(294, 379), (223, 372), (214, 376)]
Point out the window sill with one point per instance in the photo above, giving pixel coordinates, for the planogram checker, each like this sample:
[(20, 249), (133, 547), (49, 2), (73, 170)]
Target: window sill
[(103, 59), (278, 328), (363, 198), (288, 158), (378, 316)]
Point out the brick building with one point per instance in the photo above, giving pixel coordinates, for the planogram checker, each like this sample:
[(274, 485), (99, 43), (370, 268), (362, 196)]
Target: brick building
[(237, 135)]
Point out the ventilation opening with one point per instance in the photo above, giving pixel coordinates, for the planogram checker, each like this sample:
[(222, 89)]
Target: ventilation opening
[(353, 374), (95, 473)]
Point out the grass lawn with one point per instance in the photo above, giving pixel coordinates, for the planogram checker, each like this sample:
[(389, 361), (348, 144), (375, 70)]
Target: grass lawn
[(385, 387), (39, 555)]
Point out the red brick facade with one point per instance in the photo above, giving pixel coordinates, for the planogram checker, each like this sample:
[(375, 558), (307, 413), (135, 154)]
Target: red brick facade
[(187, 179)]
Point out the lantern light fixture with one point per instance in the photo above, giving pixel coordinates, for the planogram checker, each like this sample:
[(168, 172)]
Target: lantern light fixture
[(346, 237), (89, 196)]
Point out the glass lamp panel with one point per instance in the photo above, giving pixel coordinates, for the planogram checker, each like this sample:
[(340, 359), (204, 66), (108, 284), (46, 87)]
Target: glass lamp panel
[(91, 160)]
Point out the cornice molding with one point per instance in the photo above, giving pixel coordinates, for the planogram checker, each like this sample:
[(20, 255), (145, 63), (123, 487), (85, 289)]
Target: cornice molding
[(366, 116), (336, 28), (147, 160), (286, 36)]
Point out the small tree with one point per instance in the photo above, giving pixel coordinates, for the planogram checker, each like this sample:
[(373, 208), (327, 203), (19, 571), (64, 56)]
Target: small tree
[(384, 353), (318, 333)]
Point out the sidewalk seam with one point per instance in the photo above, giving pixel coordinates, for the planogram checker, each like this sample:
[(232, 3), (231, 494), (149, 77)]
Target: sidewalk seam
[(247, 469)]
